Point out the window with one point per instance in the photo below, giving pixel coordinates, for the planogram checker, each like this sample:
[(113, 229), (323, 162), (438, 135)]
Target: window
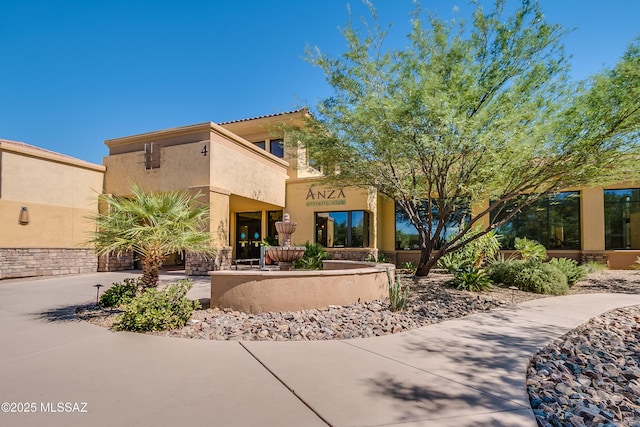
[(348, 229), (272, 233), (261, 144), (276, 147), (554, 221), (407, 235), (151, 156), (622, 218)]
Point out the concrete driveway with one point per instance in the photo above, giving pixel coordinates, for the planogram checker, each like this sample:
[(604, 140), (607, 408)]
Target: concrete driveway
[(58, 371)]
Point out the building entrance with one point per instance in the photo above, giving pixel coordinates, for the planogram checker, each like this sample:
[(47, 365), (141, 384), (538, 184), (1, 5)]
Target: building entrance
[(248, 234)]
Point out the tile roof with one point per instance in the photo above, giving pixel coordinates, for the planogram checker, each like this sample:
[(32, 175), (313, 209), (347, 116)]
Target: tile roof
[(265, 116)]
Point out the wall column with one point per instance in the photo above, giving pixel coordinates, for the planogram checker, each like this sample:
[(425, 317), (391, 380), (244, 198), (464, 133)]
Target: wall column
[(220, 227), (592, 219)]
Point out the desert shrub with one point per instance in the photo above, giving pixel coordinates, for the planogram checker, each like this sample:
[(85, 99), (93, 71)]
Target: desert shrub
[(472, 279), (636, 264), (594, 267), (409, 265), (156, 310), (504, 271), (380, 258), (571, 269), (313, 256), (530, 249), (473, 254), (541, 278), (398, 294), (120, 293), (454, 261)]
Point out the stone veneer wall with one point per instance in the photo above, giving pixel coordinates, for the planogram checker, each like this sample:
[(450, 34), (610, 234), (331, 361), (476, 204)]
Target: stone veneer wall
[(600, 257), (352, 254), (197, 265), (30, 262), (116, 262)]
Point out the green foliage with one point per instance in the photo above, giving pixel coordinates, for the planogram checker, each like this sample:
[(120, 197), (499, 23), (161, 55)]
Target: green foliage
[(472, 279), (409, 265), (469, 112), (504, 271), (120, 293), (313, 256), (153, 225), (636, 264), (594, 267), (571, 269), (530, 276), (381, 258), (269, 241), (541, 278), (398, 294), (156, 310), (474, 253), (530, 249)]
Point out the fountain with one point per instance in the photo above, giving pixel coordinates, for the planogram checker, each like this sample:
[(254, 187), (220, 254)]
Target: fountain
[(338, 283), (286, 254)]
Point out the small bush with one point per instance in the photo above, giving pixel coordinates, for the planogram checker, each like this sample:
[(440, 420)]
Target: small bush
[(409, 265), (313, 256), (472, 279), (530, 249), (398, 294), (474, 253), (156, 310), (380, 258), (636, 264), (594, 267), (571, 269), (454, 261), (541, 278), (504, 271), (120, 293)]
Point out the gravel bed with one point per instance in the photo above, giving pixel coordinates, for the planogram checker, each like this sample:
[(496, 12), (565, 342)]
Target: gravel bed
[(589, 377), (431, 300)]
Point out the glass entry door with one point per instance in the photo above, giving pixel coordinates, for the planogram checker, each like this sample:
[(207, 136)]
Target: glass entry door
[(248, 234)]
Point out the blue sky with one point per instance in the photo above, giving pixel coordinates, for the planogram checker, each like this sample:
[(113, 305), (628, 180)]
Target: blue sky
[(74, 73)]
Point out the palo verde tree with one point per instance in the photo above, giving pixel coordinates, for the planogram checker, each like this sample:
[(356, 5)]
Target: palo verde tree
[(153, 225), (468, 113)]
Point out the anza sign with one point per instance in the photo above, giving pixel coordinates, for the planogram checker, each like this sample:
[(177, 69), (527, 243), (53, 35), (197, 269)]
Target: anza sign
[(326, 197)]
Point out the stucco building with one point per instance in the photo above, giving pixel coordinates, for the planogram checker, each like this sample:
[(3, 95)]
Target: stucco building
[(250, 178), (45, 198)]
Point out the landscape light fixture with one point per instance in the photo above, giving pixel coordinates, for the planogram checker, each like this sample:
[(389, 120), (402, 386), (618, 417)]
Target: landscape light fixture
[(23, 219), (98, 286)]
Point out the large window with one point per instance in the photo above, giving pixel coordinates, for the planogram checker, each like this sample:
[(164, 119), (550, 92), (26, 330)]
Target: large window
[(553, 221), (348, 229), (622, 218), (407, 235)]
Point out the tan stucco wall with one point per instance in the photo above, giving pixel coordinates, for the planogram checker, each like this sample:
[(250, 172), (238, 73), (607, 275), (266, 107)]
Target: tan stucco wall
[(260, 291), (58, 192), (302, 207), (181, 167), (592, 219), (386, 224), (237, 167)]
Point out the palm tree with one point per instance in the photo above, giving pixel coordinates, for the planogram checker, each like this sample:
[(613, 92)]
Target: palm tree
[(153, 225)]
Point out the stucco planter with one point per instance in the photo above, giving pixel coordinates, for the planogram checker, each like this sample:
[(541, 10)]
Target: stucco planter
[(340, 283)]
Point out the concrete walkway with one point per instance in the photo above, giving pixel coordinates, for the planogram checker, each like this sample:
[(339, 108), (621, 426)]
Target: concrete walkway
[(465, 372)]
